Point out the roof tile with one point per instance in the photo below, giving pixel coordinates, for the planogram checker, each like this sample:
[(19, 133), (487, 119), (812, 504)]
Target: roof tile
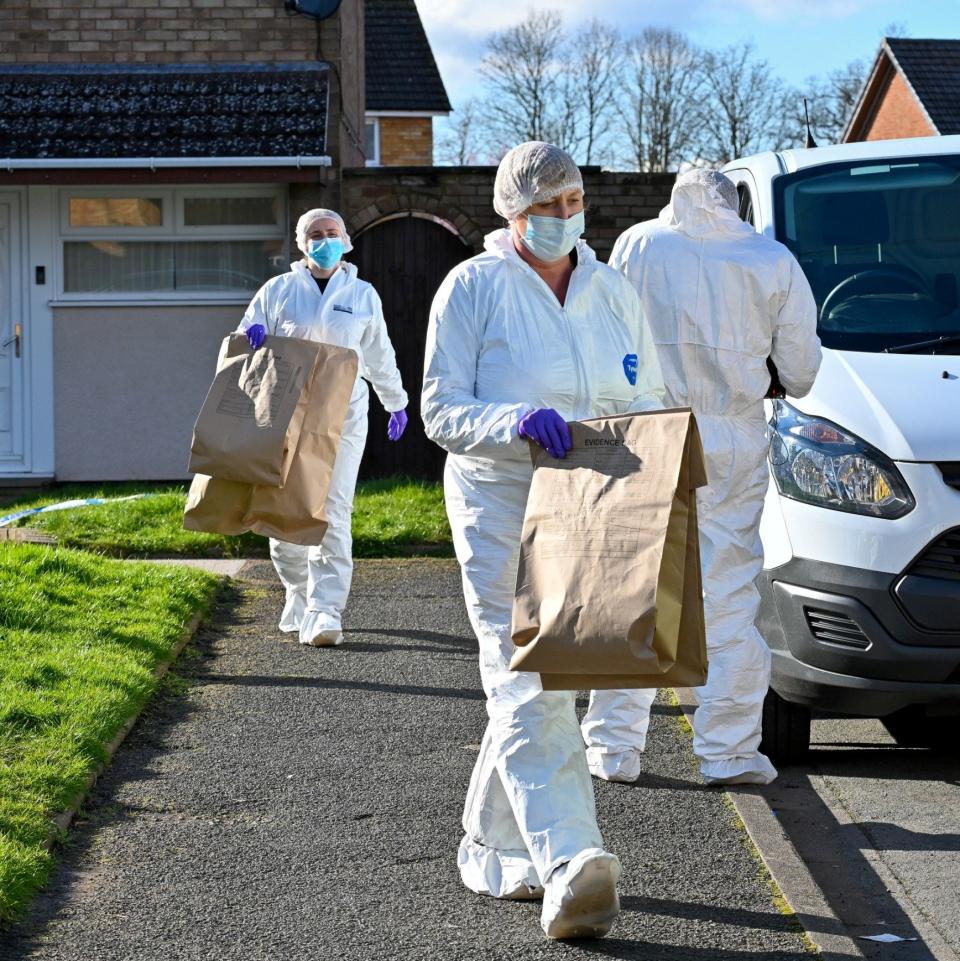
[(933, 69), (401, 71), (137, 110)]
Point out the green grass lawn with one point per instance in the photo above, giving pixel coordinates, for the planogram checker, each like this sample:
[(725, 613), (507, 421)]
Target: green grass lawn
[(80, 637), (395, 517)]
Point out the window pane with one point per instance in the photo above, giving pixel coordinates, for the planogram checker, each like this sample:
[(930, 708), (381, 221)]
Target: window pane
[(115, 212), (230, 211), (234, 265), (371, 140), (114, 267), (143, 267)]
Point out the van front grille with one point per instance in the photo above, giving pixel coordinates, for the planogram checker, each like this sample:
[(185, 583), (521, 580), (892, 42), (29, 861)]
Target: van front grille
[(834, 628), (941, 559)]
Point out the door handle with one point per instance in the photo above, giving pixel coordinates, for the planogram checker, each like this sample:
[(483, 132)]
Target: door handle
[(15, 340)]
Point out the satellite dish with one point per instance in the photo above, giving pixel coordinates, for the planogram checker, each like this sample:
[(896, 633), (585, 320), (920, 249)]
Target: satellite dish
[(315, 9)]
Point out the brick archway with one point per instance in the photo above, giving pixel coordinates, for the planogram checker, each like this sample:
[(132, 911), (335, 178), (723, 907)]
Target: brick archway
[(418, 204)]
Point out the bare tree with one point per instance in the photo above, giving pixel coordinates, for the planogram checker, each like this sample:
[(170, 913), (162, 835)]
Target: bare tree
[(832, 100), (521, 69), (459, 143), (595, 65), (745, 107), (659, 109)]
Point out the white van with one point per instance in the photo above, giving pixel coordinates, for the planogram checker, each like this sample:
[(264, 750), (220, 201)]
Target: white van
[(861, 528)]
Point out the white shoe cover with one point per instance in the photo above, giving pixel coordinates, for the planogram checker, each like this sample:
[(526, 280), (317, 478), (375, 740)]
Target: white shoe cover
[(293, 611), (320, 630), (510, 876), (580, 897), (619, 766), (739, 770)]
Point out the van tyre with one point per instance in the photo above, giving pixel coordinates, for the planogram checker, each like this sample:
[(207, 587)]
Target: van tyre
[(786, 730)]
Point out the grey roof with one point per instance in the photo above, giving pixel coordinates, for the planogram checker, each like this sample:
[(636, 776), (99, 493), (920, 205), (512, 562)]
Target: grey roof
[(401, 72), (138, 110), (933, 69)]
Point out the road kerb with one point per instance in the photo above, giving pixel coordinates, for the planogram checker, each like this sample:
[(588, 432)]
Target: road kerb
[(62, 821), (786, 867)]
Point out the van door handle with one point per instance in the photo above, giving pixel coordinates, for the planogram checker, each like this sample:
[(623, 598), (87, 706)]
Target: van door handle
[(15, 339)]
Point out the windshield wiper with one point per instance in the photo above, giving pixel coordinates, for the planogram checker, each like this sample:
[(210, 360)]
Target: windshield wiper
[(923, 344)]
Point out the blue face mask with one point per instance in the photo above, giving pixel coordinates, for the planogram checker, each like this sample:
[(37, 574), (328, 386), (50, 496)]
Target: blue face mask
[(550, 238), (326, 253)]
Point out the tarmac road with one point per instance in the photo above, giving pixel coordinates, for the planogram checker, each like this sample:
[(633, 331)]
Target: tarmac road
[(283, 802)]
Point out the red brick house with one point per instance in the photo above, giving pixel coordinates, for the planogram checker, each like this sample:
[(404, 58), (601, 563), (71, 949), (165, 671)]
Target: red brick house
[(153, 160), (913, 90), (154, 156), (404, 88)]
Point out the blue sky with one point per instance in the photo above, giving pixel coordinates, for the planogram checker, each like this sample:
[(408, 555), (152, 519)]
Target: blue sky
[(798, 37)]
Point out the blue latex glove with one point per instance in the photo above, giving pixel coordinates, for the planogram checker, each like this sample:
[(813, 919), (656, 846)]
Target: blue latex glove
[(548, 429), (256, 334), (397, 425)]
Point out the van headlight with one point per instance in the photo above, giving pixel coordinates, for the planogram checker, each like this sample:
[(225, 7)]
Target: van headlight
[(817, 462)]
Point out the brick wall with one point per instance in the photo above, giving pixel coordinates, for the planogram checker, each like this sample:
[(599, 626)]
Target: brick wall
[(152, 31), (406, 141), (898, 114), (463, 197)]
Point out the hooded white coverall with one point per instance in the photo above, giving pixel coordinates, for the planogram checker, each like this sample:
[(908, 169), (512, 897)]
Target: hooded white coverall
[(500, 345), (347, 314), (720, 299)]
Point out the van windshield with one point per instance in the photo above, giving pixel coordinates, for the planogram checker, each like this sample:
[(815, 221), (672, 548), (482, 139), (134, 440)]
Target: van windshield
[(880, 245)]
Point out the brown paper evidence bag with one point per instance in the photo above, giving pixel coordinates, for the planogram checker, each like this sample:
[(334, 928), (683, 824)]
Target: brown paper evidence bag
[(299, 438), (609, 591)]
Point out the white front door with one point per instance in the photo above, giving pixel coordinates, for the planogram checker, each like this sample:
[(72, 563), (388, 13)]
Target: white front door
[(14, 369)]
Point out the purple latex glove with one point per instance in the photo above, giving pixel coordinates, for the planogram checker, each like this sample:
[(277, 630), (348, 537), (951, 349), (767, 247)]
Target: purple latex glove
[(397, 425), (548, 429), (256, 334)]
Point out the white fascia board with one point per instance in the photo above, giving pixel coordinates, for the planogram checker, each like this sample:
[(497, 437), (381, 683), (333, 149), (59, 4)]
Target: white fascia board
[(158, 163), (407, 113)]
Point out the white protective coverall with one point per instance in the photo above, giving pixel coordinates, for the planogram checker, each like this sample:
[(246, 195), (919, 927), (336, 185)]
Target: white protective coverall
[(720, 299), (347, 314), (500, 345)]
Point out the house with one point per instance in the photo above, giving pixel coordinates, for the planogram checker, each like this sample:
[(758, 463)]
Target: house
[(404, 88), (913, 90), (153, 161), (154, 158)]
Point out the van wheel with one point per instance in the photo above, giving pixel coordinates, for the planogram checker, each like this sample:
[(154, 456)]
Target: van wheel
[(786, 730)]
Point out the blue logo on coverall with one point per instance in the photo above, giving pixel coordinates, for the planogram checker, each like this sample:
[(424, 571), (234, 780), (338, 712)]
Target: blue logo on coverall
[(630, 368)]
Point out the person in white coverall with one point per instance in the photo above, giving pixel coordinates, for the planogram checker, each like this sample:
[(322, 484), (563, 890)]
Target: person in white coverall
[(322, 299), (523, 337), (721, 299)]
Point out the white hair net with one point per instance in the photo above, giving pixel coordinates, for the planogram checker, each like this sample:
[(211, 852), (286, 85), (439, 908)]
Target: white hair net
[(704, 201), (308, 219), (531, 173)]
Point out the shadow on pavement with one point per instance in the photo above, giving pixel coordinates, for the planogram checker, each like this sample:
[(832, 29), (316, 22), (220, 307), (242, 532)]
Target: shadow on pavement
[(834, 853), (647, 951), (279, 680), (710, 912)]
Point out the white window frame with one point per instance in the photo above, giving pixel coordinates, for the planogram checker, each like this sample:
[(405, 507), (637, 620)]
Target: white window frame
[(171, 229), (373, 161)]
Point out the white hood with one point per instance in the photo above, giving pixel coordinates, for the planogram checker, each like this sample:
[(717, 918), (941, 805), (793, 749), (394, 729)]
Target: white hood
[(899, 403)]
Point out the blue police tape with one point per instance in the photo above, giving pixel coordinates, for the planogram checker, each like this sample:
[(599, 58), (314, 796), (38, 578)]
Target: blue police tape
[(66, 505)]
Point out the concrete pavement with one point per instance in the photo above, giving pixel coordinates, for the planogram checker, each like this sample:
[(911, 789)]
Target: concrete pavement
[(283, 802)]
